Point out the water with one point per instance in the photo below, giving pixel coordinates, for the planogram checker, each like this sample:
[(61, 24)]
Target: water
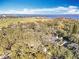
[(51, 16), (73, 16)]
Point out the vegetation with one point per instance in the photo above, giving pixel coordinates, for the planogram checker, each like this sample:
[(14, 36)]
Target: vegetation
[(33, 38)]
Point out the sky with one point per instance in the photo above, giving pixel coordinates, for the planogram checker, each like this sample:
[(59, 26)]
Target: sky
[(39, 6)]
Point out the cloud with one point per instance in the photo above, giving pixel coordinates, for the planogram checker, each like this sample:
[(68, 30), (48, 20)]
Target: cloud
[(56, 10)]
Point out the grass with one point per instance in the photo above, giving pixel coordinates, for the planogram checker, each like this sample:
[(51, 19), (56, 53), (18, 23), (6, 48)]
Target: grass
[(29, 42), (7, 21)]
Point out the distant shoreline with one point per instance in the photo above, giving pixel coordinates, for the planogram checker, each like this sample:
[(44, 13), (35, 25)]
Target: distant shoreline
[(71, 16)]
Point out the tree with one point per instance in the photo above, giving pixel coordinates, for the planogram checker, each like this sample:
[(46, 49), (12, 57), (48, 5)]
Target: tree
[(74, 29)]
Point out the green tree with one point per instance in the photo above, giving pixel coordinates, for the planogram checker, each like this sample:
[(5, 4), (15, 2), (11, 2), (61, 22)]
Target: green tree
[(74, 29)]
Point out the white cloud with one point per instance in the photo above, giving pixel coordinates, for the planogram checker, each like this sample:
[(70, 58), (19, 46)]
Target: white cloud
[(56, 10), (73, 7)]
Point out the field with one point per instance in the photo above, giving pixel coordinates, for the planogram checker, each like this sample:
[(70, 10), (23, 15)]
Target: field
[(39, 38), (7, 21)]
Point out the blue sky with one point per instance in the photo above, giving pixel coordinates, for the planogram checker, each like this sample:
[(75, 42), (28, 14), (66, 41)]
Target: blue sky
[(39, 6)]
